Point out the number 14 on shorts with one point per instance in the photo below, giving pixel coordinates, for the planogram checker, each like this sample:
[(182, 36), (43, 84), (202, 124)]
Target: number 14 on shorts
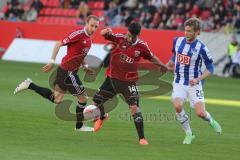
[(132, 88)]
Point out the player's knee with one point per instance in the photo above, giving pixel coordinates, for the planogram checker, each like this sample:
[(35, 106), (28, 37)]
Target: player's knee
[(58, 100), (82, 99), (200, 109), (178, 104), (178, 107), (201, 114), (134, 109), (57, 97)]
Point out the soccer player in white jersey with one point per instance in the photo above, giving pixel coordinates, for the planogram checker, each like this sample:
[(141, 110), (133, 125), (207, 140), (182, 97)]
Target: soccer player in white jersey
[(186, 63)]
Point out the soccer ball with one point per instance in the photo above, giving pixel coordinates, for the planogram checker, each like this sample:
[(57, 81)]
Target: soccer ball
[(91, 112)]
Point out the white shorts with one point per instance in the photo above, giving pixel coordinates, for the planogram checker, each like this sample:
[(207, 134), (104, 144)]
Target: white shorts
[(193, 94)]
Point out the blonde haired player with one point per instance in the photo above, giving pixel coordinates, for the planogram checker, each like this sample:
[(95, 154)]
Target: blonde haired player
[(186, 62)]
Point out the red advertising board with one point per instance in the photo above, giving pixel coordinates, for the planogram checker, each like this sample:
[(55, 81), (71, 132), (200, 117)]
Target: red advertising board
[(159, 41)]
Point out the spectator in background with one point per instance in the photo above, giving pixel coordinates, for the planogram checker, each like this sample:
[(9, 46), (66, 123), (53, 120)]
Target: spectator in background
[(171, 13), (146, 19), (236, 56), (14, 13), (237, 17), (156, 20), (207, 24), (19, 11), (159, 3), (232, 48), (14, 2), (65, 3), (37, 5), (118, 20), (195, 10), (12, 18), (228, 28), (110, 10), (6, 8), (75, 3), (235, 66), (2, 17), (82, 13), (30, 15), (131, 3), (216, 15)]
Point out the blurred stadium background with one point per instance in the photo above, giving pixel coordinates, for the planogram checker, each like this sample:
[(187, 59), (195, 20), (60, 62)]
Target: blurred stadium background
[(29, 128)]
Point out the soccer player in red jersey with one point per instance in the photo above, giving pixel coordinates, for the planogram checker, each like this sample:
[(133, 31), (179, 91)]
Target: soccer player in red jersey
[(78, 44), (122, 74)]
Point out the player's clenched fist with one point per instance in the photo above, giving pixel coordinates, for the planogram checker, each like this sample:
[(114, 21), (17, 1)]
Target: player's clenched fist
[(106, 31)]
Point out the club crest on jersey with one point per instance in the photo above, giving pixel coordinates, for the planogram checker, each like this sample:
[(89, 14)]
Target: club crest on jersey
[(193, 51), (183, 59), (137, 53), (84, 42)]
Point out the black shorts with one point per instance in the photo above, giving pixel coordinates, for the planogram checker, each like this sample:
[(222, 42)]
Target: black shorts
[(112, 87), (69, 81)]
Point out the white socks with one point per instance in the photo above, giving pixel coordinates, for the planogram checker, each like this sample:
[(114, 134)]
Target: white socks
[(208, 117), (182, 117)]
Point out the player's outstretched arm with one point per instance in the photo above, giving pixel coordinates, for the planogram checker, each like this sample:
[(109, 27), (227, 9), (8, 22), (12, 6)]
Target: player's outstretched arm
[(49, 66), (156, 61)]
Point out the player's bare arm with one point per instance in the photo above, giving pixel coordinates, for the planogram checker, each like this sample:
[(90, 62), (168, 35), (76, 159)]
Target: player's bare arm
[(156, 61), (195, 81), (49, 66)]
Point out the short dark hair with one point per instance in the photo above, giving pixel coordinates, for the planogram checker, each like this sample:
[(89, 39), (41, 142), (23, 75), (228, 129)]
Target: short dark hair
[(92, 17), (193, 22), (134, 28)]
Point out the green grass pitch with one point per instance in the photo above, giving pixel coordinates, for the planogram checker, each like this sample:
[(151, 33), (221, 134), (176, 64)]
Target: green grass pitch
[(30, 130)]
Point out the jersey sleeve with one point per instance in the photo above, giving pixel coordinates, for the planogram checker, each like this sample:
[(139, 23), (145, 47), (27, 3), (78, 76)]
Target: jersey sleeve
[(173, 50), (147, 53), (114, 37), (207, 59), (72, 37)]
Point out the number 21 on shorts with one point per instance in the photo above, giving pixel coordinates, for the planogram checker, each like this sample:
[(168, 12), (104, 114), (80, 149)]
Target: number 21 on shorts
[(199, 93)]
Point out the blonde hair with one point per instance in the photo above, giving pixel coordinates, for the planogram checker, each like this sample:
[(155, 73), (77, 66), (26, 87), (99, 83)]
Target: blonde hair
[(195, 23)]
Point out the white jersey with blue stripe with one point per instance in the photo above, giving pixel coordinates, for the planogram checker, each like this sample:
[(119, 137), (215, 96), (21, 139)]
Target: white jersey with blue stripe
[(188, 59)]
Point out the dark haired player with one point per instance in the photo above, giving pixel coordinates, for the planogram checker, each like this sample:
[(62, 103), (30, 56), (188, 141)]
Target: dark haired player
[(122, 74)]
